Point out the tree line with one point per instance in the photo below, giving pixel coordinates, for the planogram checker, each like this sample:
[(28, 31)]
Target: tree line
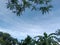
[(45, 39)]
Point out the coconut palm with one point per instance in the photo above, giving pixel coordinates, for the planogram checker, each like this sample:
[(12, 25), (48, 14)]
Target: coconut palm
[(46, 40)]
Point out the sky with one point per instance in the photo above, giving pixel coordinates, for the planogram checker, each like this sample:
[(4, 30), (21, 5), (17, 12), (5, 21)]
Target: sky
[(30, 22)]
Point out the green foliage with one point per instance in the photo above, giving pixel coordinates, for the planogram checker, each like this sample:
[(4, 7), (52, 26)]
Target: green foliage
[(51, 39), (58, 32), (27, 41), (6, 39), (19, 7), (47, 40)]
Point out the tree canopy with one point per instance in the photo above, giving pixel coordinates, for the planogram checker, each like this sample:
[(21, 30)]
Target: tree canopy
[(6, 39), (45, 39), (19, 6)]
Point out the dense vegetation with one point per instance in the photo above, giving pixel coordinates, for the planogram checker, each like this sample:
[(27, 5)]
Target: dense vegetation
[(6, 39), (51, 39)]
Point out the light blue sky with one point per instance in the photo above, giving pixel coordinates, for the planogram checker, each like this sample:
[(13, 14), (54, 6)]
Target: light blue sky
[(30, 22)]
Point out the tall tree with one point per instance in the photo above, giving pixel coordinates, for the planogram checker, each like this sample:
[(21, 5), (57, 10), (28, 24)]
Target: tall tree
[(6, 39), (26, 41), (47, 40), (18, 6)]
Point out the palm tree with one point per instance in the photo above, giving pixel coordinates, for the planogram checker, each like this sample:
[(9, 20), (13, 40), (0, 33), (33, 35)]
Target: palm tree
[(17, 7), (46, 40), (26, 41), (58, 34)]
